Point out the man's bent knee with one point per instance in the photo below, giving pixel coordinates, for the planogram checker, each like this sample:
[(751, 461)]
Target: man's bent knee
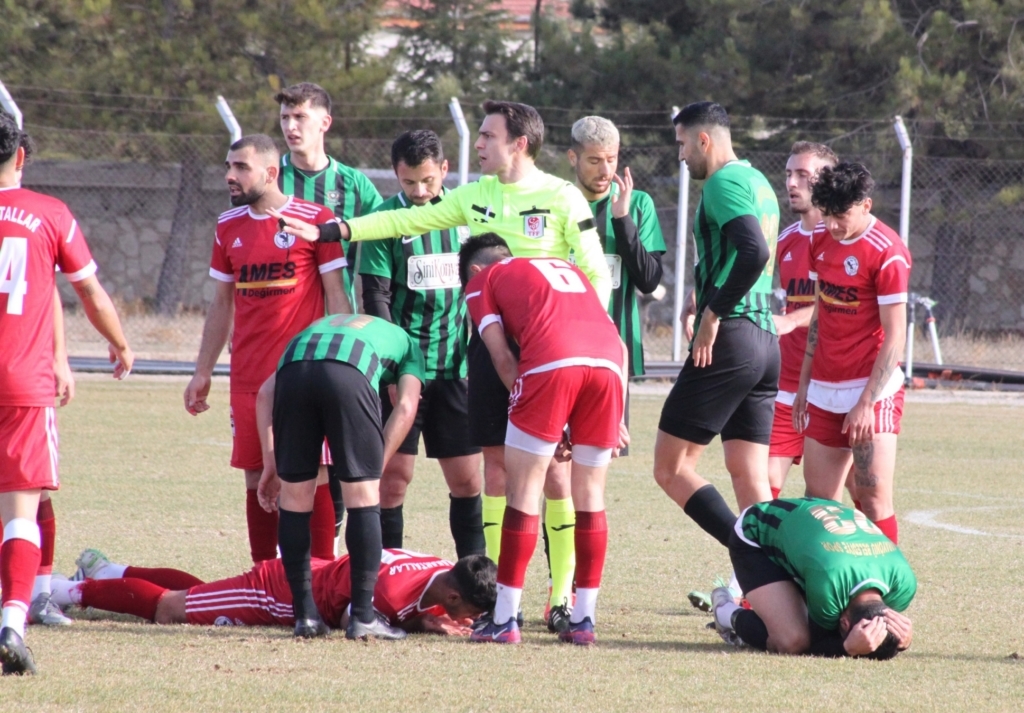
[(171, 608)]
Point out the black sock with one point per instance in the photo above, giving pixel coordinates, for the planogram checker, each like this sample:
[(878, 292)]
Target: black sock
[(392, 527), (362, 537), (339, 501), (466, 519), (294, 540), (708, 509), (749, 627)]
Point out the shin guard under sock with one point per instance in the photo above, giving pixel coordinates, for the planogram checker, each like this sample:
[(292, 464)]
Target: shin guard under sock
[(465, 518), (321, 525), (493, 512), (294, 538), (707, 508), (392, 527), (559, 526), (363, 539), (123, 596), (262, 529)]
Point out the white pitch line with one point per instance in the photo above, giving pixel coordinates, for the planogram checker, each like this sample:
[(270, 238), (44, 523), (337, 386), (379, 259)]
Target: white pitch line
[(929, 518)]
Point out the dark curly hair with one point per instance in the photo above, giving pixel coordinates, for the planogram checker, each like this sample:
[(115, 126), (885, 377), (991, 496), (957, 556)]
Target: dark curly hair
[(414, 147), (482, 249), (869, 610), (476, 581), (10, 137), (838, 188)]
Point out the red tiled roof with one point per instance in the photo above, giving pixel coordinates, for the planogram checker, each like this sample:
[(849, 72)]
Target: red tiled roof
[(520, 11)]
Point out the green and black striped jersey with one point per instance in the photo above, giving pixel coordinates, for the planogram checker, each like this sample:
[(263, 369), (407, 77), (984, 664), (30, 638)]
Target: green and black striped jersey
[(382, 351), (735, 190), (426, 295), (343, 189), (623, 306)]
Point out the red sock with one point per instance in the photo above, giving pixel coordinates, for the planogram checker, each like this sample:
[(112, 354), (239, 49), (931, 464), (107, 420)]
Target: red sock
[(47, 535), (321, 525), (591, 547), (890, 528), (123, 596), (518, 541), (19, 560), (262, 529), (173, 579), (775, 492)]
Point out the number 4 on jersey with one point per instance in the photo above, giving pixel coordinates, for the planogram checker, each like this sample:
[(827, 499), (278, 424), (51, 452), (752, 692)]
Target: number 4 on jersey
[(13, 266)]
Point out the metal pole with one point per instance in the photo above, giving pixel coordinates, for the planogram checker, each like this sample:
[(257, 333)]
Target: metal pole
[(682, 212), (8, 103), (463, 128), (228, 117), (908, 165)]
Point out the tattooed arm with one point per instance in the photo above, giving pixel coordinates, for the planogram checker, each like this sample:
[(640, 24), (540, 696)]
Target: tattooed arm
[(800, 403), (860, 422)]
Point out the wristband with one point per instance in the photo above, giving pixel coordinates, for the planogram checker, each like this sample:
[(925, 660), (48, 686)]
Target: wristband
[(330, 232)]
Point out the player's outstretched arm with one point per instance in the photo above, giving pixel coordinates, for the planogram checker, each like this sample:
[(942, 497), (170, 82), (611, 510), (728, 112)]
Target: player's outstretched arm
[(102, 315), (64, 380), (433, 624), (786, 323), (270, 485), (505, 362), (407, 400), (215, 335), (307, 231)]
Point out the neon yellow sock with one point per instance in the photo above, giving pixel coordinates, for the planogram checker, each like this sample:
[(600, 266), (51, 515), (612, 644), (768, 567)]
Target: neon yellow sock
[(560, 524), (494, 515)]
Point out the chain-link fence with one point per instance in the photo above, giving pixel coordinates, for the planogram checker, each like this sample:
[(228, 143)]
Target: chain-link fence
[(149, 203)]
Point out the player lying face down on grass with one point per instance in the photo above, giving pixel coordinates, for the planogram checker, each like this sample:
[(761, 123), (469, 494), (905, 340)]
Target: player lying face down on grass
[(416, 592), (570, 372), (820, 579), (327, 385)]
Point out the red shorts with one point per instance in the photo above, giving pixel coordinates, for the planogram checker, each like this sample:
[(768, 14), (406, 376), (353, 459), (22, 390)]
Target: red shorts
[(826, 427), (260, 597), (28, 448), (588, 399), (246, 452), (785, 441)]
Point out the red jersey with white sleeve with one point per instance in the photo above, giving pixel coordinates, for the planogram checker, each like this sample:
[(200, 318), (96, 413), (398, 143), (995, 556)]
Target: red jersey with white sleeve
[(854, 277), (38, 234), (550, 308), (402, 579), (793, 256), (278, 291)]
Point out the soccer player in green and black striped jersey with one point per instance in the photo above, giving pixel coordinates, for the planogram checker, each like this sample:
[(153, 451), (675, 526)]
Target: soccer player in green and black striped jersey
[(309, 173), (728, 384), (627, 222), (413, 281)]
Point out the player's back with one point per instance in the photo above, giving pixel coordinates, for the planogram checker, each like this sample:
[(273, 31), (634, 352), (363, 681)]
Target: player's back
[(37, 235), (550, 308)]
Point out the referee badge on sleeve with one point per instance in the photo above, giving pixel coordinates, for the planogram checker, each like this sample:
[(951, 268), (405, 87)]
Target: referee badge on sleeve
[(534, 225)]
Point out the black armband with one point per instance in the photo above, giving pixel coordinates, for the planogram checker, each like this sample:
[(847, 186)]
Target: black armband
[(330, 232)]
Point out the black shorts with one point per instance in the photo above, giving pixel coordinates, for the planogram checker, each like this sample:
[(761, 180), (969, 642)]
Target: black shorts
[(752, 567), (488, 397), (317, 399), (735, 396), (442, 418)]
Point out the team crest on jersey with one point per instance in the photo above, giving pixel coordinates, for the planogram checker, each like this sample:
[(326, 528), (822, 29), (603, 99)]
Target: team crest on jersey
[(463, 233), (533, 226), (333, 198), (284, 240), (851, 265)]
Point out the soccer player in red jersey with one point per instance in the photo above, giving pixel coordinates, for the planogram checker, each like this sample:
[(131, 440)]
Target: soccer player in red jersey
[(416, 592), (270, 287), (570, 371), (38, 234), (850, 398), (792, 265)]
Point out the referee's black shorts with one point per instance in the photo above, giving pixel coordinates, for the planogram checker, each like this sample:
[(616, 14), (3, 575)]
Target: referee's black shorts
[(314, 399), (442, 418), (488, 397), (734, 396)]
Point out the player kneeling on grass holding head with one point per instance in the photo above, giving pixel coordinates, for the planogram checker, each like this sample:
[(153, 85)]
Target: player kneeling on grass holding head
[(820, 579), (570, 371), (418, 593)]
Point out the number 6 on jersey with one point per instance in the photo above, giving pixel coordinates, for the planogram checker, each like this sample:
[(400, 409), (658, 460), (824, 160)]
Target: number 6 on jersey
[(559, 274)]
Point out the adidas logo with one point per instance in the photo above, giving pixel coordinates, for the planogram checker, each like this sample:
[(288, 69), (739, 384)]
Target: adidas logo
[(237, 243), (789, 256)]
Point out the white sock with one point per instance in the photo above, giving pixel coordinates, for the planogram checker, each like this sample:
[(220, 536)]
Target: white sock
[(507, 605), (734, 586), (723, 614), (41, 585), (586, 604), (111, 571), (14, 618), (65, 593)]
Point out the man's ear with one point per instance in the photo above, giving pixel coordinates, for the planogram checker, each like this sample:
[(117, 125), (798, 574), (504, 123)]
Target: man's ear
[(573, 158), (867, 205), (19, 158), (272, 172), (704, 139), (474, 268), (326, 123)]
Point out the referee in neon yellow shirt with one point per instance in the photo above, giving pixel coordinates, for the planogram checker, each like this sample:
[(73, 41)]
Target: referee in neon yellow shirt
[(538, 215)]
